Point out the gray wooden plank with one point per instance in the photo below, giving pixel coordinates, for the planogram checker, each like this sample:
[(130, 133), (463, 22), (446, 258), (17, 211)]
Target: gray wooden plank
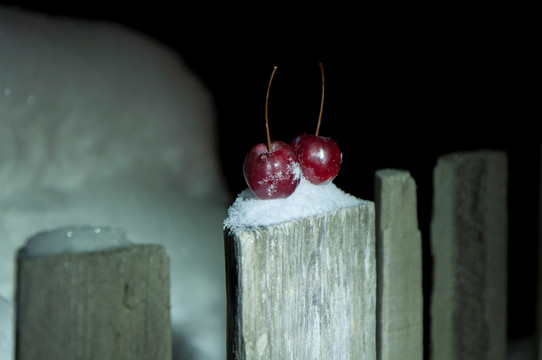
[(469, 244), (399, 267), (303, 289), (110, 304)]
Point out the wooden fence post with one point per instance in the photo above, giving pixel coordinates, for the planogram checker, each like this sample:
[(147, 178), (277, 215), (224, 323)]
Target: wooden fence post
[(399, 267), (6, 329), (469, 245), (303, 289), (103, 304)]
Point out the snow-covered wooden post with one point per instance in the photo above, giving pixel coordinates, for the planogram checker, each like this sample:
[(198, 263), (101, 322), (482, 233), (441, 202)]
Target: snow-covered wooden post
[(88, 293), (399, 267), (469, 245), (303, 288)]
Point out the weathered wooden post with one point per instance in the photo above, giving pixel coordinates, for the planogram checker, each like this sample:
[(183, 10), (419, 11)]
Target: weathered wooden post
[(304, 288), (6, 329), (88, 293), (469, 245), (399, 267)]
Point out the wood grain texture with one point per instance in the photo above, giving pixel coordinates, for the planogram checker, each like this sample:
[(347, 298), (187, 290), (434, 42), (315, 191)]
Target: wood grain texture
[(399, 267), (304, 289), (110, 304), (469, 244)]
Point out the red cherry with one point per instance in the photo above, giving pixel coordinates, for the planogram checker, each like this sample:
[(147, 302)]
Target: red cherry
[(271, 171), (272, 174), (319, 157)]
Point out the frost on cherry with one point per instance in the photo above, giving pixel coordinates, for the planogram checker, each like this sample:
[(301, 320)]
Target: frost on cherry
[(271, 170), (273, 182), (272, 174)]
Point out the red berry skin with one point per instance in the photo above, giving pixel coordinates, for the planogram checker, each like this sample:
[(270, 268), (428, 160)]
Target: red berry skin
[(272, 174), (319, 157)]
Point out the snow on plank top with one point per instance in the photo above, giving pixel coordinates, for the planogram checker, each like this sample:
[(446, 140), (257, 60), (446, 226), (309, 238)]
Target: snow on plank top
[(247, 211), (75, 240)]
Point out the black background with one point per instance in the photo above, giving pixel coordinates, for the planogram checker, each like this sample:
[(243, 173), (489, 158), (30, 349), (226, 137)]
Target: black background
[(403, 87)]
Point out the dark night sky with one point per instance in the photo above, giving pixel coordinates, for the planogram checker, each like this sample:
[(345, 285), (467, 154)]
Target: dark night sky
[(403, 86)]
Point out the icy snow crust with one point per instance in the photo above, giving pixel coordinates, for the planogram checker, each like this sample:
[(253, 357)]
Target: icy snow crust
[(248, 211), (75, 240)]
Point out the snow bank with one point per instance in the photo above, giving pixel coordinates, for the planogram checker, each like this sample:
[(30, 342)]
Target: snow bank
[(101, 126)]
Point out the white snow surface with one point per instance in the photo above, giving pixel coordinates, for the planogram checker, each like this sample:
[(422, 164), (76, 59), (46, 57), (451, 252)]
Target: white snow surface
[(308, 199), (103, 127), (75, 239), (86, 100)]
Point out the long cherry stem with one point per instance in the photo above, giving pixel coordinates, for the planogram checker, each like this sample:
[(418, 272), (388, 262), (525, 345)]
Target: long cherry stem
[(322, 101), (266, 106)]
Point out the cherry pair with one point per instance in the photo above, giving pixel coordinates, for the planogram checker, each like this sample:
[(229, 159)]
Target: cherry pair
[(274, 170)]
